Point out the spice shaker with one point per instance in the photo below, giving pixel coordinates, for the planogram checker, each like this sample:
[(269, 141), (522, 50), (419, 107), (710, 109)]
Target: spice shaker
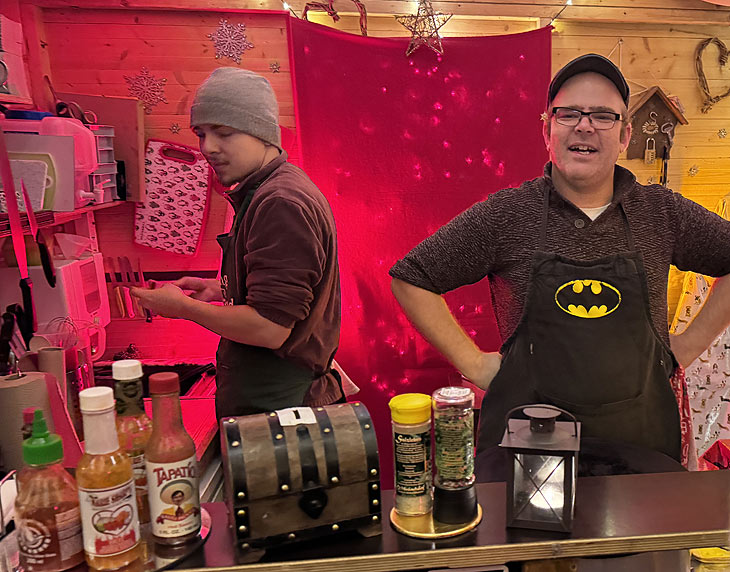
[(411, 418), (453, 420)]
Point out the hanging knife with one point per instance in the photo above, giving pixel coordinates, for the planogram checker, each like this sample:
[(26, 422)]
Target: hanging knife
[(126, 267), (126, 282), (46, 261), (143, 284), (116, 289), (28, 325)]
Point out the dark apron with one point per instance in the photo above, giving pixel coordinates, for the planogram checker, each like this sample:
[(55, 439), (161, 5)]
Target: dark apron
[(611, 371), (251, 379)]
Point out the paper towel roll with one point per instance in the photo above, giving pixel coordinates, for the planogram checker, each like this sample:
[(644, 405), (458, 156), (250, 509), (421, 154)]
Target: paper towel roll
[(53, 360), (17, 393)]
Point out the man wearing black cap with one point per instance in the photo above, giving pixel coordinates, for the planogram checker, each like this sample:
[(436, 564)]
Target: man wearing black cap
[(578, 261)]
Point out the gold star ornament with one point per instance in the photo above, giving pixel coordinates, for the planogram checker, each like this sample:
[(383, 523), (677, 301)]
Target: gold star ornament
[(424, 27)]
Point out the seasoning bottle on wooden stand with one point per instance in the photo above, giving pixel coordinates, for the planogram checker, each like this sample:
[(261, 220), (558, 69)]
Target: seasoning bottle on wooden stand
[(411, 417), (172, 468), (453, 426), (47, 505), (106, 487), (133, 426)]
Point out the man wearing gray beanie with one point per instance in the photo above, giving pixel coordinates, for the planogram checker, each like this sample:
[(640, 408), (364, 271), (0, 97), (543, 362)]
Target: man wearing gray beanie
[(280, 319)]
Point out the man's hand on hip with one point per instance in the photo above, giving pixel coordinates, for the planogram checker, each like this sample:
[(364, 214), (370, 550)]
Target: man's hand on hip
[(484, 369)]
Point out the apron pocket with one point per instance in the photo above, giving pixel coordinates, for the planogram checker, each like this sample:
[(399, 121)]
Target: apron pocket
[(584, 409), (585, 376)]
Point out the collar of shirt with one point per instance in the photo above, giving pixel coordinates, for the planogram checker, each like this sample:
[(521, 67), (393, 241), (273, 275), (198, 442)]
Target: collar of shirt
[(623, 181), (254, 180)]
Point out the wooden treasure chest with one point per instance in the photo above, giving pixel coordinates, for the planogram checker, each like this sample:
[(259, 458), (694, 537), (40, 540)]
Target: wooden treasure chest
[(300, 473)]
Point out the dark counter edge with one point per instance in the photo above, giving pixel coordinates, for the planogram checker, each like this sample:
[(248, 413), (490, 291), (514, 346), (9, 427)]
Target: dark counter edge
[(217, 554)]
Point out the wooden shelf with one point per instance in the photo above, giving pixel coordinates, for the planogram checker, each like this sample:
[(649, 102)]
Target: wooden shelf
[(7, 98), (48, 218)]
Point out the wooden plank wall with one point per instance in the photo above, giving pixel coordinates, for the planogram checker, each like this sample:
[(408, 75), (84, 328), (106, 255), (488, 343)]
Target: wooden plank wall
[(91, 50)]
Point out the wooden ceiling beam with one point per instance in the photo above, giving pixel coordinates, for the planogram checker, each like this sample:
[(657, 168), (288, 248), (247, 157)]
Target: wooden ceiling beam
[(684, 12)]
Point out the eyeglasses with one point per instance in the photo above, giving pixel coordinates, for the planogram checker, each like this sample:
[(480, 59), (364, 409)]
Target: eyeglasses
[(598, 119)]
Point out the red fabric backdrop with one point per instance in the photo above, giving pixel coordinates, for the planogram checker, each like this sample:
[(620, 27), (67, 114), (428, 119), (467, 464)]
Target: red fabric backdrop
[(400, 145)]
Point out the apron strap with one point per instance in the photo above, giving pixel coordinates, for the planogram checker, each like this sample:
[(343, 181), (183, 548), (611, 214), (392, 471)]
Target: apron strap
[(627, 226)]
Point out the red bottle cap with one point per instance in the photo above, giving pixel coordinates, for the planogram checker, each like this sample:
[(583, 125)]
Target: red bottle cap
[(164, 382), (28, 415)]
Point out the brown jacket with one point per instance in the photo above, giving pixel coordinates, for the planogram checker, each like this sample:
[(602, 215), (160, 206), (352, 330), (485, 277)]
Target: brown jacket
[(288, 244)]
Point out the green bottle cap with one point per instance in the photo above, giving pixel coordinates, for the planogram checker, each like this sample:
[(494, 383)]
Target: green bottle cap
[(42, 447)]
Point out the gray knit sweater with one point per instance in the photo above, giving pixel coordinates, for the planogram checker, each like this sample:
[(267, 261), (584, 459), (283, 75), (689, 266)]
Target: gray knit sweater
[(496, 238)]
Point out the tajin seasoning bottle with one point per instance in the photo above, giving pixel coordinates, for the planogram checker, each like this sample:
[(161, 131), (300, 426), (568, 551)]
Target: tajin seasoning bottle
[(172, 468), (47, 505), (106, 487), (133, 426)]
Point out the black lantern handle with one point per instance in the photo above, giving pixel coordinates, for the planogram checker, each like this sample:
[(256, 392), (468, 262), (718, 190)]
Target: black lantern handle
[(546, 406)]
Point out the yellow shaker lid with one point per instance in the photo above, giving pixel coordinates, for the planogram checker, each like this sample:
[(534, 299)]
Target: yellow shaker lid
[(410, 408)]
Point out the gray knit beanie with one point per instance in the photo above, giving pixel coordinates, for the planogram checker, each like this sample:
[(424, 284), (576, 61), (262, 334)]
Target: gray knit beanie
[(240, 99)]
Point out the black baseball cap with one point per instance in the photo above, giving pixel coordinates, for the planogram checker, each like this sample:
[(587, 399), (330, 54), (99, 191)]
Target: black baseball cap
[(590, 63)]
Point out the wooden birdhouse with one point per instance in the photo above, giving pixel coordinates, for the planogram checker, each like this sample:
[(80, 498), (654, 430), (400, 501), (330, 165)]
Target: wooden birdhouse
[(653, 119)]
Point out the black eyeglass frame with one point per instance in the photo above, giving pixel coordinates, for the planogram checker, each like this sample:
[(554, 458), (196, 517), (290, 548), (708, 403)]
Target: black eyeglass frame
[(616, 117)]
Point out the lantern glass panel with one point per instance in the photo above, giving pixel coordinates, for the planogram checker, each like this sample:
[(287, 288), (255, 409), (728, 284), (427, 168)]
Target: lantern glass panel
[(539, 482)]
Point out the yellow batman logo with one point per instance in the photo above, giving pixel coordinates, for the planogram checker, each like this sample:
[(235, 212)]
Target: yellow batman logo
[(587, 298)]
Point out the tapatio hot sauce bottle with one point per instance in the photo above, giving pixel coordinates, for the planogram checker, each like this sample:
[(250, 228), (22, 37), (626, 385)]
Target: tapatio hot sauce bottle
[(107, 497), (172, 468)]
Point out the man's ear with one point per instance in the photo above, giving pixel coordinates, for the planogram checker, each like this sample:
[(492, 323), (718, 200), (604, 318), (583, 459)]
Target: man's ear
[(546, 131), (625, 137)]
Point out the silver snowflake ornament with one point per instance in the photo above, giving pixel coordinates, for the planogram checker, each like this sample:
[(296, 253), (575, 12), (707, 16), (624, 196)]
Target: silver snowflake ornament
[(275, 67), (147, 88), (175, 128), (722, 133), (694, 170), (230, 41)]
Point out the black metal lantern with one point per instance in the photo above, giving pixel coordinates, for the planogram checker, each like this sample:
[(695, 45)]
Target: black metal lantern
[(542, 457)]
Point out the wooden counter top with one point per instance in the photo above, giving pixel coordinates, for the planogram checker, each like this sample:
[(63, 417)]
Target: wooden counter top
[(614, 515)]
